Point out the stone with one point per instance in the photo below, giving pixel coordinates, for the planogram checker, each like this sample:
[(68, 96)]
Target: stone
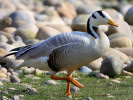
[(62, 28), (96, 64), (129, 16), (3, 38), (12, 89), (17, 97), (2, 52), (10, 62), (32, 41), (69, 96), (89, 98), (31, 90), (5, 22), (9, 36), (80, 23), (29, 70), (29, 26), (123, 26), (102, 76), (67, 10), (38, 72), (5, 98), (111, 66), (87, 9), (3, 70), (1, 84), (74, 89), (18, 44), (115, 81), (21, 17), (25, 34), (4, 79), (51, 2), (114, 52), (50, 11), (51, 20), (7, 47), (85, 69), (126, 50), (10, 30), (125, 8), (3, 75), (129, 67), (15, 79), (19, 72), (50, 82), (121, 42), (18, 39), (46, 32)]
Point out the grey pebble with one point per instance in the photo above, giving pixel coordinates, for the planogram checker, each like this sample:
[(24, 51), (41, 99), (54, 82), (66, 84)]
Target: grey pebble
[(15, 79)]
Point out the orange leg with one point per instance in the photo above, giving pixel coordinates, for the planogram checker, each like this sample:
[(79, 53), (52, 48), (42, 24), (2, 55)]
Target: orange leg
[(68, 89), (69, 79)]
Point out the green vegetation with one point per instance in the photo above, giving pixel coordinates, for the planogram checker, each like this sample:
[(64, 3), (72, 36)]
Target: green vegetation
[(94, 88)]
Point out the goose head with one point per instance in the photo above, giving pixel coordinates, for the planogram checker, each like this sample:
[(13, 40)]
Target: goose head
[(101, 18), (98, 18)]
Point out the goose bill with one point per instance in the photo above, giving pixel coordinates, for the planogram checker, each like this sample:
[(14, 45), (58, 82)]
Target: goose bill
[(111, 22)]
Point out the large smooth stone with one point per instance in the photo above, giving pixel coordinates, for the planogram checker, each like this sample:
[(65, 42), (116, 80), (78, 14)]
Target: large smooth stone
[(21, 17), (96, 64), (50, 11), (6, 46), (10, 30), (25, 34), (50, 20), (121, 42), (5, 22), (3, 39), (127, 51), (129, 16), (2, 52), (9, 36), (111, 66), (67, 10), (30, 26), (62, 28), (51, 2), (46, 32), (114, 52), (87, 9), (123, 26), (80, 23)]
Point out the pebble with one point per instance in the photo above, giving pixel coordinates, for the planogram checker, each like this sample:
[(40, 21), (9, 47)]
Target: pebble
[(50, 82), (31, 90), (15, 79), (5, 98), (1, 84), (38, 72), (2, 52), (102, 76), (69, 96), (111, 66), (10, 30), (85, 69), (11, 89), (115, 81), (89, 98), (4, 92), (129, 16), (74, 89), (17, 97), (29, 70)]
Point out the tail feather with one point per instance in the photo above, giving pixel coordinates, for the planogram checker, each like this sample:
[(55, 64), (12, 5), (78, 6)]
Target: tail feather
[(13, 53)]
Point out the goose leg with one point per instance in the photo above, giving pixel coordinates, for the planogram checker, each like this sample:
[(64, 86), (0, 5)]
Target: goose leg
[(68, 89), (69, 79)]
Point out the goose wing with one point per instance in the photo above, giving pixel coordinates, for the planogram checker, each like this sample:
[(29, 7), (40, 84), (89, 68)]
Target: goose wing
[(44, 48)]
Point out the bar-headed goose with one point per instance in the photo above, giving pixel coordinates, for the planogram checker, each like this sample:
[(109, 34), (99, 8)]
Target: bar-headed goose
[(68, 51)]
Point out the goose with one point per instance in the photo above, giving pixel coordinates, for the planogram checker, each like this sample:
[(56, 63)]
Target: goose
[(68, 51)]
